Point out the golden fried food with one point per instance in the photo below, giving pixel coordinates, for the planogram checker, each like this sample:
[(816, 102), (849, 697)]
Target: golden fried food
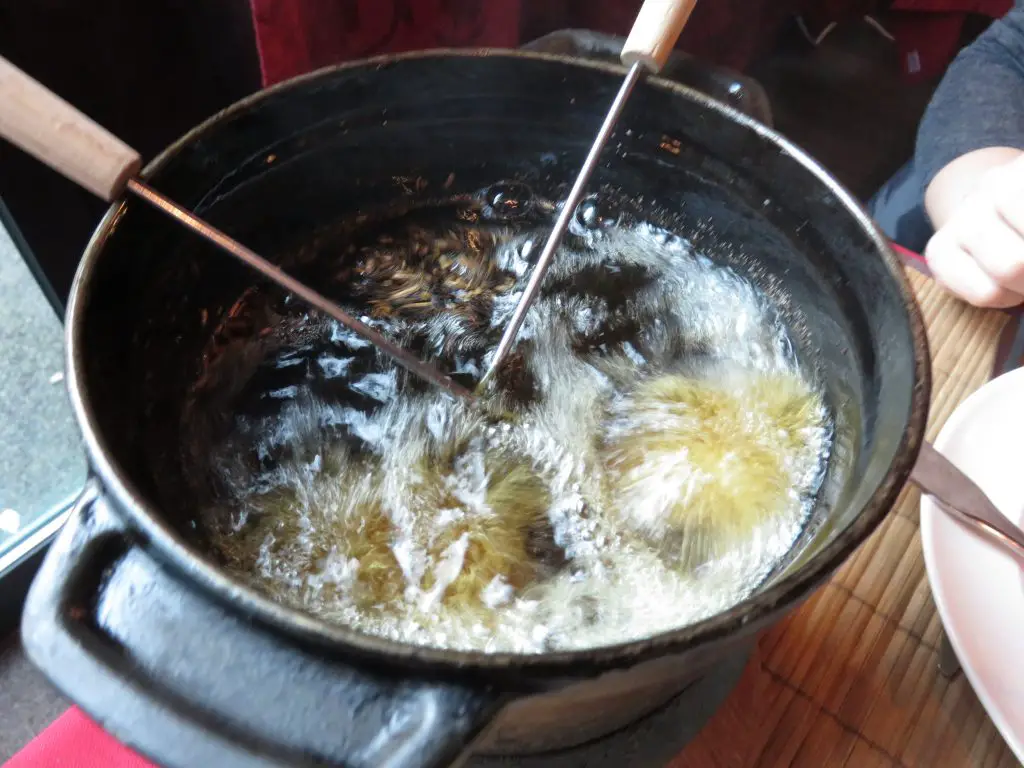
[(696, 465), (494, 509)]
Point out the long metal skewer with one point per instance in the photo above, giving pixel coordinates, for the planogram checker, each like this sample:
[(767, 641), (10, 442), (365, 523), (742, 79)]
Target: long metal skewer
[(404, 358), (508, 339)]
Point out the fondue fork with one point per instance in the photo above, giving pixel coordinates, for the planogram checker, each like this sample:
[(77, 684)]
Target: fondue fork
[(650, 42), (48, 128)]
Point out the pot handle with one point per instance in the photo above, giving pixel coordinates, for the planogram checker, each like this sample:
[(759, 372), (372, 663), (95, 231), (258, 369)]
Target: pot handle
[(187, 681)]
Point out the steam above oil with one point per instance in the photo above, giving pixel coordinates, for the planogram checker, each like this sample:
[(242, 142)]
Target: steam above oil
[(662, 454)]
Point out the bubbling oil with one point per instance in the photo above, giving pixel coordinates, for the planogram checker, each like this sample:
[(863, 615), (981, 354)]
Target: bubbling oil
[(335, 483)]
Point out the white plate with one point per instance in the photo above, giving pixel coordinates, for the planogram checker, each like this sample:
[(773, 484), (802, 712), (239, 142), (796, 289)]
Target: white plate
[(978, 587)]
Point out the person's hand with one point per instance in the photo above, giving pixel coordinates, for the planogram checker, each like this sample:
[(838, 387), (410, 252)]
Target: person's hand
[(977, 251)]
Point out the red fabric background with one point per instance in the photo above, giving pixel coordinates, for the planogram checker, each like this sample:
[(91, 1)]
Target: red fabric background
[(929, 32), (297, 36), (75, 741), (993, 8)]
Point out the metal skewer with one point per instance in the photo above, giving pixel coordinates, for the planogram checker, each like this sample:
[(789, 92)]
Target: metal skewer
[(277, 275), (53, 131), (508, 338), (654, 34)]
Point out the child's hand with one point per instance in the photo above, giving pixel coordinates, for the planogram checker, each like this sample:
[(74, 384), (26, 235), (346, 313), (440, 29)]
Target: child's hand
[(978, 253)]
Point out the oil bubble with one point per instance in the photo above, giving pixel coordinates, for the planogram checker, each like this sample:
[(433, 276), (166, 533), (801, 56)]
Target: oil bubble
[(506, 201), (594, 214)]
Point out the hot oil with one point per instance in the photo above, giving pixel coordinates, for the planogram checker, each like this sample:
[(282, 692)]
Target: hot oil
[(338, 484)]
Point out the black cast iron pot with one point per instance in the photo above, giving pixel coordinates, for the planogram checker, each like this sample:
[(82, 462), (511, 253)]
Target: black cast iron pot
[(136, 624)]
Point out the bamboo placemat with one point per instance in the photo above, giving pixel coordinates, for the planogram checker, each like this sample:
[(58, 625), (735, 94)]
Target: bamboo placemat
[(852, 679)]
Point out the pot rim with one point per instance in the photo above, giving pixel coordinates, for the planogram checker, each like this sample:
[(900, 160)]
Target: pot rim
[(164, 542)]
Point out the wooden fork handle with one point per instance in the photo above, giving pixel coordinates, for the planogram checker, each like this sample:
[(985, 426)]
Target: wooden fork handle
[(41, 123)]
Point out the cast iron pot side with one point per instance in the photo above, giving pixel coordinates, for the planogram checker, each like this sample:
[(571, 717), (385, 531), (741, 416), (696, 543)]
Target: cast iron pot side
[(134, 622)]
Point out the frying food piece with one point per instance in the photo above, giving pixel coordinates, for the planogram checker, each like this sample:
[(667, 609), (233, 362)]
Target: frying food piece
[(350, 551), (470, 522), (367, 536), (496, 506), (696, 466)]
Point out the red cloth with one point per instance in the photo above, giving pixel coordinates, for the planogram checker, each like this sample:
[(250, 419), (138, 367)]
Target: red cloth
[(993, 8), (75, 741), (929, 32), (297, 36), (818, 15)]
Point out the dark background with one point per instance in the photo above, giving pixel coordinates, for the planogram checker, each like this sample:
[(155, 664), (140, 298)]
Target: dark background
[(148, 70)]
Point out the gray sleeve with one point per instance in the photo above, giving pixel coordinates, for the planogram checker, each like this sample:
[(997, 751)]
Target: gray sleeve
[(980, 102)]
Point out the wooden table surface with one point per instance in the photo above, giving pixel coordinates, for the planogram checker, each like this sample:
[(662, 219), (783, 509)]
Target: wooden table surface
[(852, 679)]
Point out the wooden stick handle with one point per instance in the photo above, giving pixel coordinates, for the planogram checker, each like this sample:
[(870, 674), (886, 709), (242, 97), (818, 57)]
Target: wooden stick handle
[(655, 32), (41, 123)]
